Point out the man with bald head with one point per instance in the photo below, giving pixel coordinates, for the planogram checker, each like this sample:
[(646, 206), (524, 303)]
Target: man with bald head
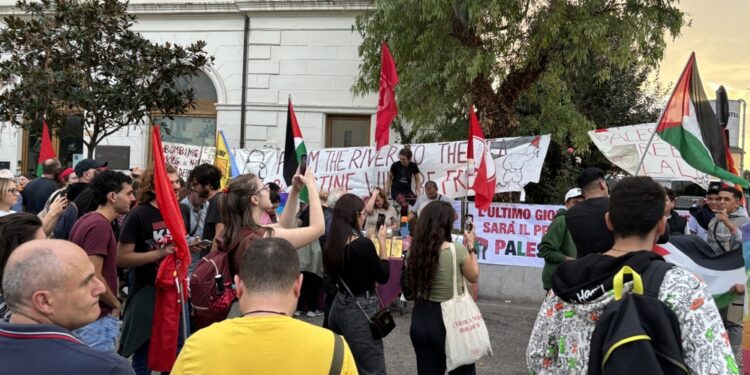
[(51, 288)]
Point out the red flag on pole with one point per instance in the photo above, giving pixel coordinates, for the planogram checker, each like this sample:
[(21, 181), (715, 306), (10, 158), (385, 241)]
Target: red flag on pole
[(46, 151), (387, 109), (171, 279), (484, 178)]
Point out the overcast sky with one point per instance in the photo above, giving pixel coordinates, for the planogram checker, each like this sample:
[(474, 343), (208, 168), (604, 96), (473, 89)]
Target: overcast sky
[(720, 37)]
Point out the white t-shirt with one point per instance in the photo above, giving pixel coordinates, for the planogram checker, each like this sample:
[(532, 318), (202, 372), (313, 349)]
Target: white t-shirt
[(3, 213), (423, 200)]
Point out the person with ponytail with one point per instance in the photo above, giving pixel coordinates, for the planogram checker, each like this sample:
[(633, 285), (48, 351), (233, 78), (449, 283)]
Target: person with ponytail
[(351, 261), (244, 201), (429, 275)]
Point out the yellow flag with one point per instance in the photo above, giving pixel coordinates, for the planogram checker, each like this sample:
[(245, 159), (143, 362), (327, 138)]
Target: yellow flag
[(221, 159)]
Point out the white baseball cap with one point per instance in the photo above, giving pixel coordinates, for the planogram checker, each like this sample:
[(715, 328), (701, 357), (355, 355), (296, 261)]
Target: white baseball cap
[(573, 193)]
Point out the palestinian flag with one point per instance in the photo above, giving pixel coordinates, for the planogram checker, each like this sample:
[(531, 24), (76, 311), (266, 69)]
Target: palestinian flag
[(294, 148), (719, 272), (689, 124)]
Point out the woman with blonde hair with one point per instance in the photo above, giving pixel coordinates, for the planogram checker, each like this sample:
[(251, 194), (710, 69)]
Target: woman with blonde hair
[(8, 195), (244, 201)]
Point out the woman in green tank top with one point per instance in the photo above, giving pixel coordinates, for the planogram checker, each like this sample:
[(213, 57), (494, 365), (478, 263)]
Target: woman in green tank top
[(429, 274)]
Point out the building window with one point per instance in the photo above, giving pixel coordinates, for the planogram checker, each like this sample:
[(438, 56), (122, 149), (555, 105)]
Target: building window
[(67, 142), (347, 130), (197, 126)]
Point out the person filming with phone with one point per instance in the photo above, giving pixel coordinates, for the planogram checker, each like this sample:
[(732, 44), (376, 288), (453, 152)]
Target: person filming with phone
[(378, 205)]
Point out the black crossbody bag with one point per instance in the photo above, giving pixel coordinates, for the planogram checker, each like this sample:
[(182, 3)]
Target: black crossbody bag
[(382, 323)]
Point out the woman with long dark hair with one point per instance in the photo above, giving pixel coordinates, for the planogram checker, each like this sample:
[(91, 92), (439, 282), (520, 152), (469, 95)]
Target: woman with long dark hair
[(15, 229), (243, 203), (429, 271), (351, 260)]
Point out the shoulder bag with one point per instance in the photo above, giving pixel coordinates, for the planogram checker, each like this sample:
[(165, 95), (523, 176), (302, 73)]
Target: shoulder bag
[(382, 323), (466, 336)]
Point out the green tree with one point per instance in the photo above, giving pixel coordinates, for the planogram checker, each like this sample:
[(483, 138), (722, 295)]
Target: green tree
[(450, 53), (63, 57), (584, 102)]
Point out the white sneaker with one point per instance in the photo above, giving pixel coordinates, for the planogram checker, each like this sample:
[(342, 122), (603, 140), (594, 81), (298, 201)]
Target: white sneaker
[(297, 313)]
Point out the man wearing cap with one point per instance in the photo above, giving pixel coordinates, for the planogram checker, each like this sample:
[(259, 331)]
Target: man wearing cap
[(585, 221), (557, 245), (81, 197), (36, 193)]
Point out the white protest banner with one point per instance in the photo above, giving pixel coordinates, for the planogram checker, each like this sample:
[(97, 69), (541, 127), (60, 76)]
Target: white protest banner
[(263, 163), (358, 170), (181, 156), (624, 146), (510, 234), (518, 160), (207, 155)]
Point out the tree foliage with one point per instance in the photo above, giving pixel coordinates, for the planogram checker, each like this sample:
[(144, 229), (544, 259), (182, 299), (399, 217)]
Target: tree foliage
[(63, 57), (493, 53)]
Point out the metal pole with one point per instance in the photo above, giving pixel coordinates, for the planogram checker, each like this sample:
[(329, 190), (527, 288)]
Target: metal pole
[(243, 106), (743, 107)]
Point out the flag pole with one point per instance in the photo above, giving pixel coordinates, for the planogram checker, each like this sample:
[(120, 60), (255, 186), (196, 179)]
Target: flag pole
[(645, 150)]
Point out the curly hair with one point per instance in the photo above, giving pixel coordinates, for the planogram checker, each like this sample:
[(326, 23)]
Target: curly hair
[(146, 191), (636, 205), (433, 228)]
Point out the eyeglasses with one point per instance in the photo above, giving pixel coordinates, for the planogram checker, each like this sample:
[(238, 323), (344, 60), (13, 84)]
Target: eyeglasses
[(265, 187), (13, 191)]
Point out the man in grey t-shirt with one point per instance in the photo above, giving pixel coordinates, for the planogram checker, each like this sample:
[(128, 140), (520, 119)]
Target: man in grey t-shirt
[(430, 194)]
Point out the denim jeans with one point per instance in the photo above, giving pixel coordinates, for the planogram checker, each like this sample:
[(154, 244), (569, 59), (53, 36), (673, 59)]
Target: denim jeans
[(101, 334), (348, 320), (734, 331)]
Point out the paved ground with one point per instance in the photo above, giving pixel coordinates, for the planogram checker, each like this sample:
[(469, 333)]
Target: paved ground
[(509, 325)]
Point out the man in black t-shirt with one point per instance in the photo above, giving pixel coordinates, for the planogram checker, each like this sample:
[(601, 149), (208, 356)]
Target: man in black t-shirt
[(142, 245), (399, 180), (36, 193), (585, 220)]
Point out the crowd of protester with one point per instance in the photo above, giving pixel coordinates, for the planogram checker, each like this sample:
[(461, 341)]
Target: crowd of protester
[(80, 249)]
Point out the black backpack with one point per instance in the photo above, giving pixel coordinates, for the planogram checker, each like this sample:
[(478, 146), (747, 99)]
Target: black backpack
[(638, 333)]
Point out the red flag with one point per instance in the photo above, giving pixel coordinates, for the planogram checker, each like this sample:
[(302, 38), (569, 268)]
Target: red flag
[(387, 109), (46, 151), (484, 179), (172, 276)]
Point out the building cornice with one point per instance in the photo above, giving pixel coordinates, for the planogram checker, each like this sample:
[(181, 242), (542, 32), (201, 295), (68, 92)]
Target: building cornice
[(231, 6), (246, 6)]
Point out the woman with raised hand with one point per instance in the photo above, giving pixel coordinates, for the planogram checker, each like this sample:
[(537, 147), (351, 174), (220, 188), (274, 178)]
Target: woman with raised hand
[(244, 201)]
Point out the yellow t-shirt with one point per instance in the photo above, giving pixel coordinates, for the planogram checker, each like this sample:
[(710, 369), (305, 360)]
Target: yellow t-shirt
[(261, 345)]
